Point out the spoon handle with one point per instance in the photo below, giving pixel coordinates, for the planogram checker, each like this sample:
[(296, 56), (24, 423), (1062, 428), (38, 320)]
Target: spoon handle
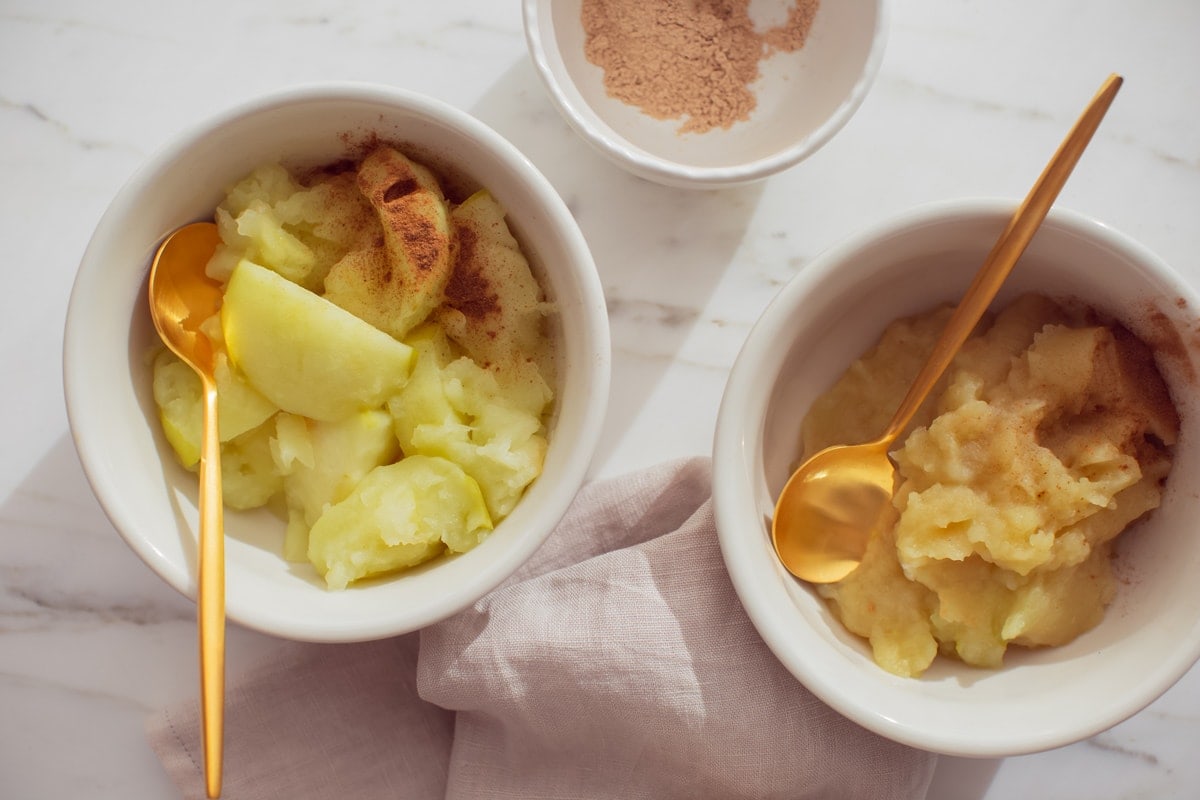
[(1000, 261), (211, 601)]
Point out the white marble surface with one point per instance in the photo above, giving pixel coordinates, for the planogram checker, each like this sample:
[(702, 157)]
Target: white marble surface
[(972, 98)]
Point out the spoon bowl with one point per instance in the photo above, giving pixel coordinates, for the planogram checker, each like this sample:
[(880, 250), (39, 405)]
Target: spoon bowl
[(182, 297), (838, 498)]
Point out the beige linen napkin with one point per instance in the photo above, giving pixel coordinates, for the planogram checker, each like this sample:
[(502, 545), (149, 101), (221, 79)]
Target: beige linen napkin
[(617, 664)]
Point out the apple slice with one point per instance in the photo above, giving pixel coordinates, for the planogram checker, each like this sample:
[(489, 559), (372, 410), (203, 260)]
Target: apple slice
[(396, 285), (302, 352), (494, 308)]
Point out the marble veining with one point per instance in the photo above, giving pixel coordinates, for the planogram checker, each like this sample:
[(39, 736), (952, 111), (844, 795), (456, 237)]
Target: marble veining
[(970, 101)]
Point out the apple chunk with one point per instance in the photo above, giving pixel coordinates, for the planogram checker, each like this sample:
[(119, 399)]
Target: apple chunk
[(179, 396), (302, 352), (333, 457), (398, 516), (453, 408)]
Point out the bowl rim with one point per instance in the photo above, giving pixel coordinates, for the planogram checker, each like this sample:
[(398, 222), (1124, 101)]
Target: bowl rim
[(734, 489), (552, 212), (592, 128)]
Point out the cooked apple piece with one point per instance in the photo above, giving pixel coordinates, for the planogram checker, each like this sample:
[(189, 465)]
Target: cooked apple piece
[(423, 402), (453, 408), (331, 219), (248, 475), (250, 228), (494, 307), (177, 393), (398, 516), (305, 354), (296, 230), (332, 458), (291, 446), (396, 286)]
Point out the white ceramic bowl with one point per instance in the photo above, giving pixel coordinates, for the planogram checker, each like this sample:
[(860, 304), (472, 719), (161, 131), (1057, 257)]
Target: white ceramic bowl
[(829, 314), (804, 98), (152, 501)]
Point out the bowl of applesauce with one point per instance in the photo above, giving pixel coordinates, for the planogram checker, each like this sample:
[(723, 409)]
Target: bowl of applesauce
[(411, 356), (1033, 586)]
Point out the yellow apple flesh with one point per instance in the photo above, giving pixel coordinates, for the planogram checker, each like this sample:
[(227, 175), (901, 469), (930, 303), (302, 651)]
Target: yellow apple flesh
[(306, 355)]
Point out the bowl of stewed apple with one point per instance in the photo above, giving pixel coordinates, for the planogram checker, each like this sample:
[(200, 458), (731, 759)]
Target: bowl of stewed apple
[(410, 354)]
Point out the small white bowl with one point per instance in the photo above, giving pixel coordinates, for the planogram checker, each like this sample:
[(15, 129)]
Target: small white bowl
[(829, 314), (804, 98), (151, 500)]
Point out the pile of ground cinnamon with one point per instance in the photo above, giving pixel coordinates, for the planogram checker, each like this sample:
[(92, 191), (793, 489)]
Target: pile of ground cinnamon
[(689, 59)]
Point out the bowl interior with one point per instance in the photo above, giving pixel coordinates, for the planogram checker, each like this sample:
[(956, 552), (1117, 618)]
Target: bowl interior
[(803, 97), (152, 501), (829, 315)]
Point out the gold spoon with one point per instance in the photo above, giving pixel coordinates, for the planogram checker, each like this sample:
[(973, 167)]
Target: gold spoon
[(830, 506), (182, 297)]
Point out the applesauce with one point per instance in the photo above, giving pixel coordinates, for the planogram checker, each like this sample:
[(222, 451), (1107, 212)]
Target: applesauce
[(1051, 433)]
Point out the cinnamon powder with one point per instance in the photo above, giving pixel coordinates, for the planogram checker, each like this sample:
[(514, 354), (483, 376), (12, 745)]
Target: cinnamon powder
[(690, 59)]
